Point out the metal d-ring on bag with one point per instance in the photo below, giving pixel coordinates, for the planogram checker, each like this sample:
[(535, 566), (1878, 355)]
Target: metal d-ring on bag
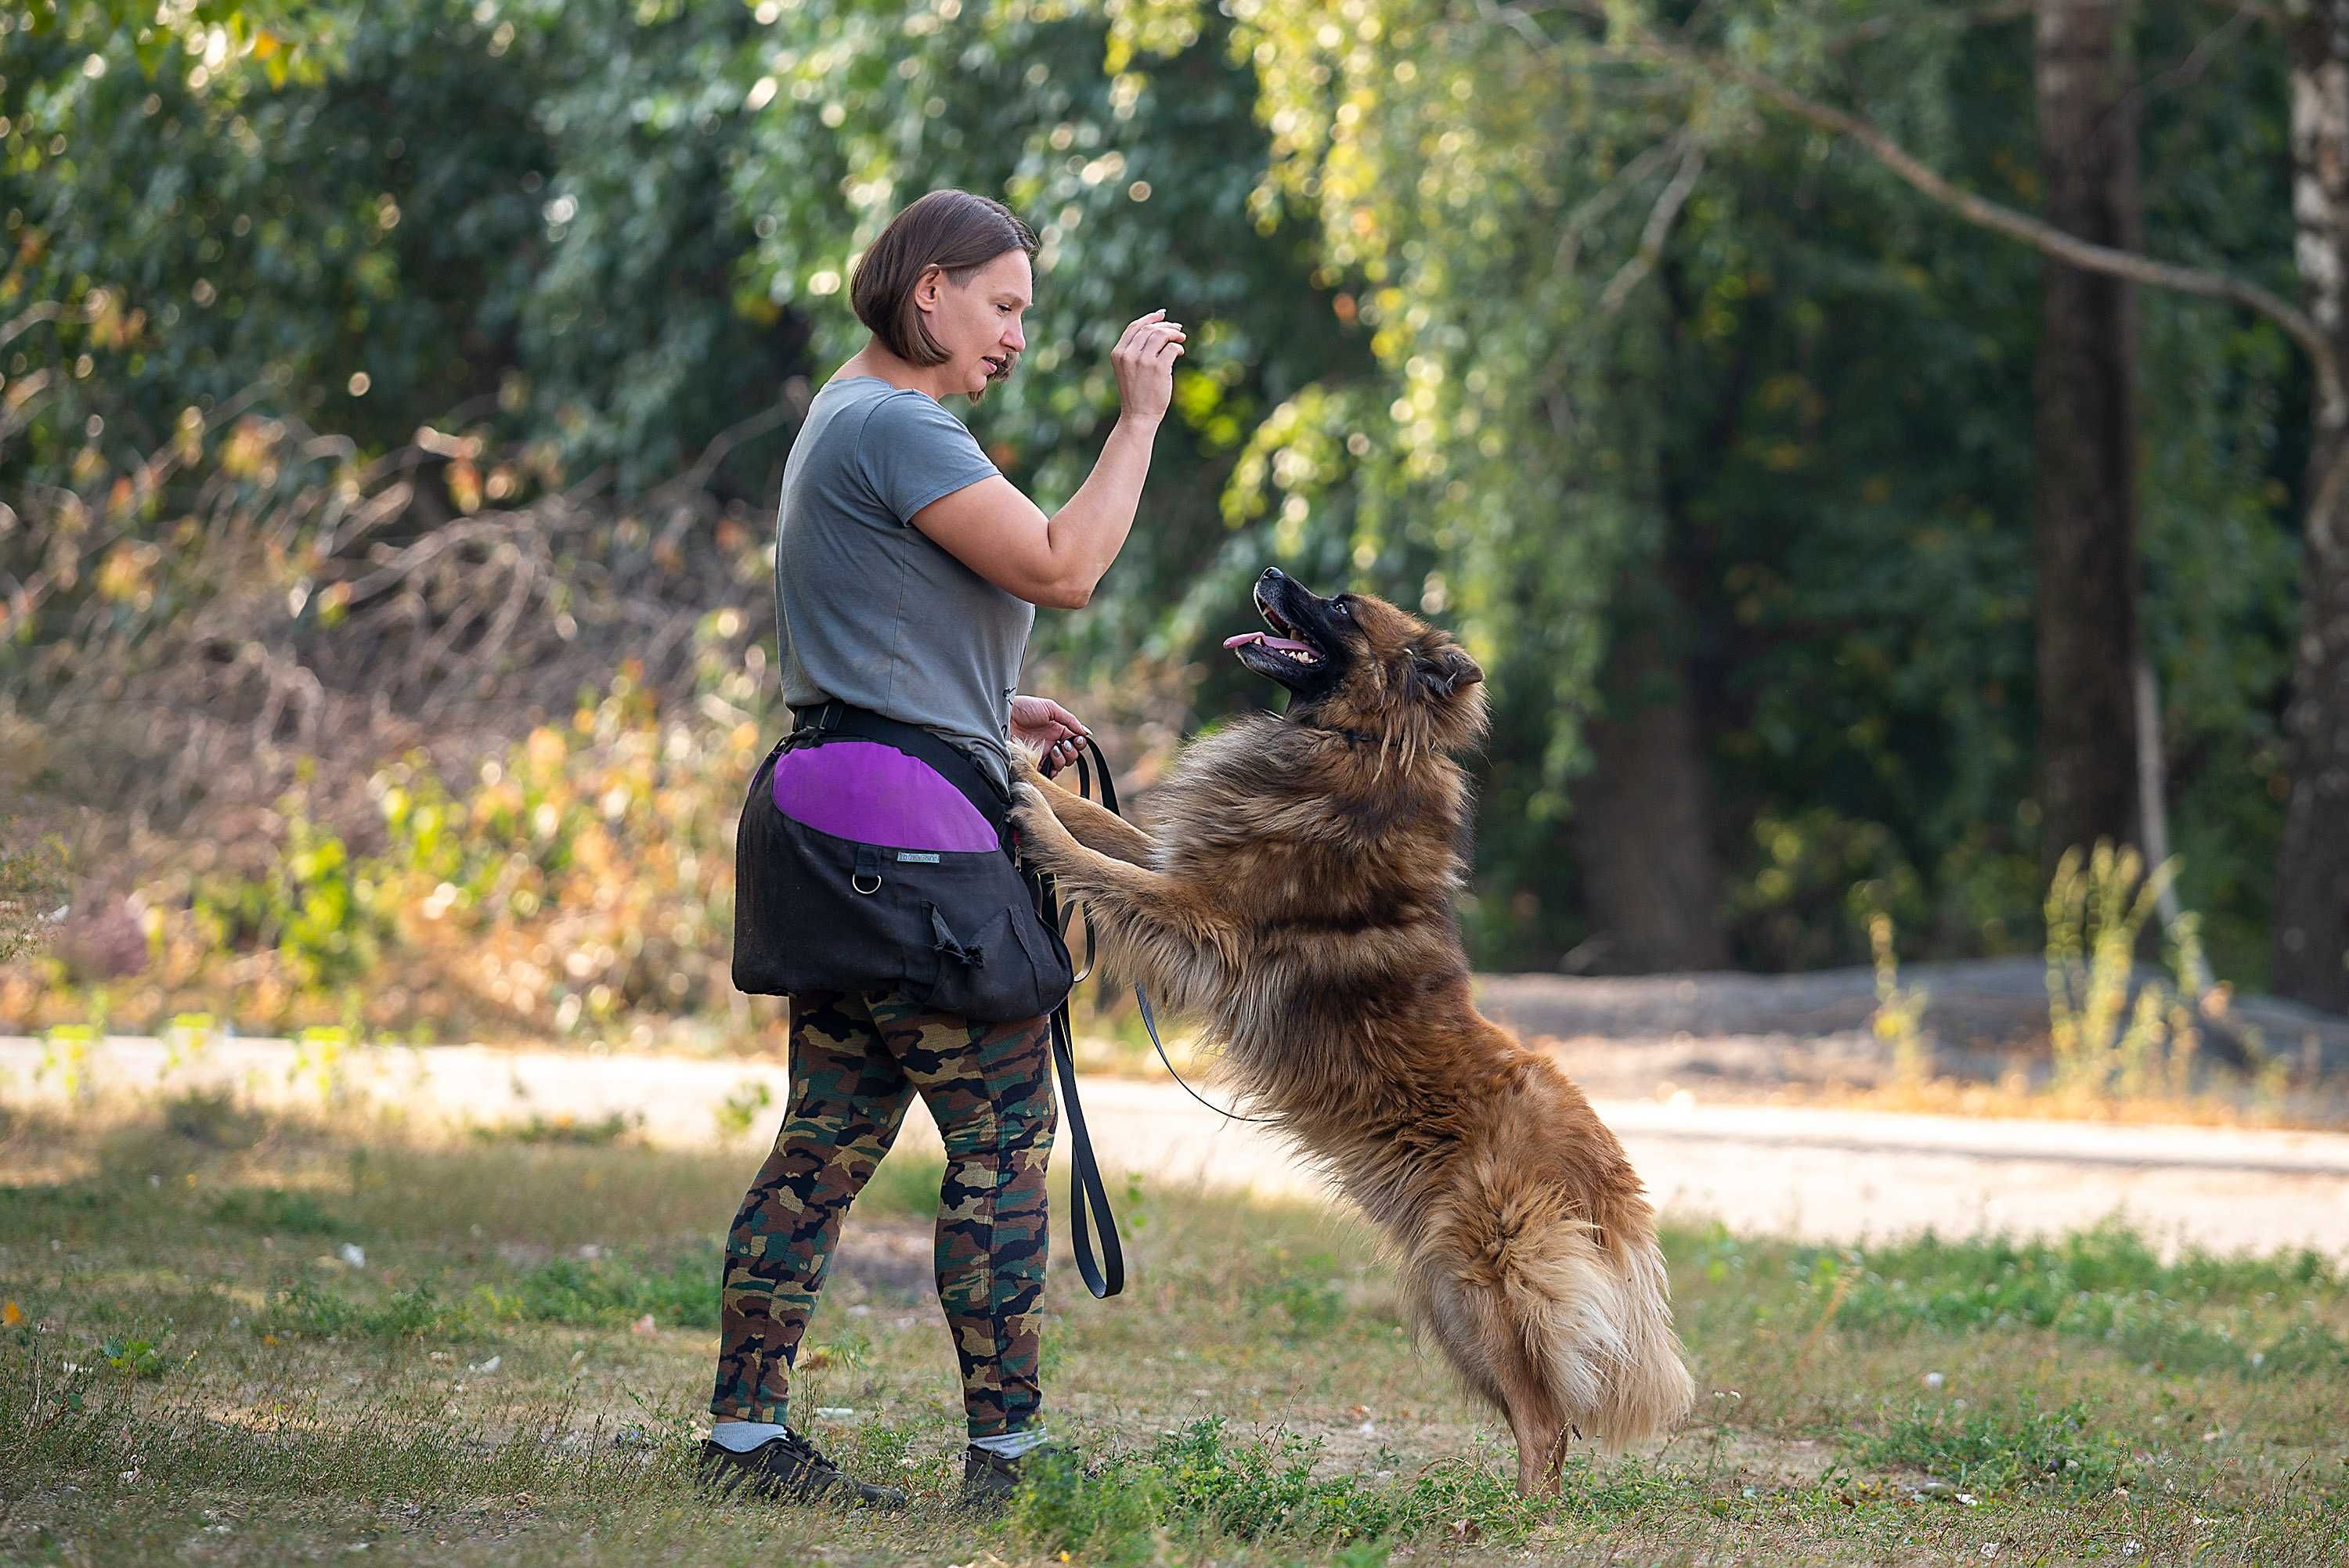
[(962, 931)]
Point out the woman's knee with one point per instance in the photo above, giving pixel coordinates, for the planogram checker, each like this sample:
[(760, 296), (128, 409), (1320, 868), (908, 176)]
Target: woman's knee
[(1002, 1131)]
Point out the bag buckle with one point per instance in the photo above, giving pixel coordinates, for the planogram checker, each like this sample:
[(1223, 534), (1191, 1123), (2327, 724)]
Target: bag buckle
[(868, 864)]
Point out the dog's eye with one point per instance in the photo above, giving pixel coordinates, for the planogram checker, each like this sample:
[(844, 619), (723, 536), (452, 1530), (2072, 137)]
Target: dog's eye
[(1343, 607)]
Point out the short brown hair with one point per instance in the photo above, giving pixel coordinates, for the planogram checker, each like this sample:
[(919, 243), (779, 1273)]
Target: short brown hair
[(951, 229)]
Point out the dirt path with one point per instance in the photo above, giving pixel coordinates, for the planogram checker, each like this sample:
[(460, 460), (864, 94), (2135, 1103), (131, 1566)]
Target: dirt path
[(1764, 1028), (1820, 1174)]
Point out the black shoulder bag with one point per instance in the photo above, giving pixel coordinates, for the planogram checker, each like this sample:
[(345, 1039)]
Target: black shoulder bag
[(967, 932)]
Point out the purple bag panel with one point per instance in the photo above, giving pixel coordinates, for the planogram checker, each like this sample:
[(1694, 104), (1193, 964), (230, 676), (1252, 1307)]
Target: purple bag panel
[(875, 794)]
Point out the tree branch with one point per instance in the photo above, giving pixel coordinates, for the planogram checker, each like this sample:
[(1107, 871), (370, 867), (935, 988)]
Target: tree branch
[(1659, 228), (1980, 210), (1985, 15), (2188, 71)]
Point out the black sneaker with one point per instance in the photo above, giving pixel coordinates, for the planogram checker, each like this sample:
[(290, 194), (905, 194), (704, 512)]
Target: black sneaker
[(788, 1468), (989, 1478)]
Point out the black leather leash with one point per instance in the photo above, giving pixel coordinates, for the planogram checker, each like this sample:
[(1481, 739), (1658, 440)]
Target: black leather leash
[(1149, 1018), (1090, 1210)]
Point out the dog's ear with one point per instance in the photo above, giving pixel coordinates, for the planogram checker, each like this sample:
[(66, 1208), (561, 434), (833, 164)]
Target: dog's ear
[(1442, 671)]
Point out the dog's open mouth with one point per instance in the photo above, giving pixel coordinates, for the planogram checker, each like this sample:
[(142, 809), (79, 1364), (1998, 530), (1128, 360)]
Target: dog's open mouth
[(1287, 644)]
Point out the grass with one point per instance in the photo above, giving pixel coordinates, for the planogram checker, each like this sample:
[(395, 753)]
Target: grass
[(238, 1338)]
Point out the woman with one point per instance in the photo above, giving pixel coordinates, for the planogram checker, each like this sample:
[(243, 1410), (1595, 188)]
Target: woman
[(907, 571)]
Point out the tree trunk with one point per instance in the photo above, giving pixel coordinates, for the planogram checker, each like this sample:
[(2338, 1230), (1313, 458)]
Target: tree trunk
[(2311, 913), (1642, 819), (2085, 527)]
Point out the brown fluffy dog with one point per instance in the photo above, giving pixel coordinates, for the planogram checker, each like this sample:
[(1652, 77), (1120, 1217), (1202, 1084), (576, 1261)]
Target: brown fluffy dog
[(1296, 901)]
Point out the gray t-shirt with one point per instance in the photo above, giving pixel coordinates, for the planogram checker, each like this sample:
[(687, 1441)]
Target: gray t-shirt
[(868, 609)]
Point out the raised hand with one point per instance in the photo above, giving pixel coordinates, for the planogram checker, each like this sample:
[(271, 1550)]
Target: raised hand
[(1145, 362)]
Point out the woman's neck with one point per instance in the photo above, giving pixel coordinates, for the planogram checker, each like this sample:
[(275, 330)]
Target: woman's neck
[(877, 361)]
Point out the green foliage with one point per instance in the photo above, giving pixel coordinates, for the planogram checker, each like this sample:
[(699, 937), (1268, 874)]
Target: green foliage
[(272, 1209), (739, 1110), (2102, 1040), (564, 1128), (1549, 343), (31, 882), (2003, 1447), (308, 1309), (1062, 1509), (65, 1051), (903, 1185), (140, 1358), (1304, 1306), (608, 1292), (1899, 1007), (604, 1292), (2245, 1316), (1203, 1482), (276, 41), (325, 915)]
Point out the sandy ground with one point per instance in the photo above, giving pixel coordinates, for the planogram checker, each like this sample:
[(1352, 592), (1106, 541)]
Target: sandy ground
[(1814, 1173), (1816, 1026)]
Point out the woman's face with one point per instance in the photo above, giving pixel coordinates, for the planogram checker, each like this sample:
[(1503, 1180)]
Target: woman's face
[(976, 320)]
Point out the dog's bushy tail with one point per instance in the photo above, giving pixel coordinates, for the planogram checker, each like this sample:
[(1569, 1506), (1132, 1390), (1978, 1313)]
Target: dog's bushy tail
[(1569, 1318), (1649, 1388)]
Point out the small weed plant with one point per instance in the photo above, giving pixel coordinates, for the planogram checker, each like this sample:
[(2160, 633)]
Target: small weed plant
[(1899, 1010), (2103, 1043)]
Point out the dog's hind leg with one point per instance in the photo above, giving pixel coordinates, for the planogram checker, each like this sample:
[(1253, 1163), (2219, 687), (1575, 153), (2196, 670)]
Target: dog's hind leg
[(1541, 1435), (1474, 1326)]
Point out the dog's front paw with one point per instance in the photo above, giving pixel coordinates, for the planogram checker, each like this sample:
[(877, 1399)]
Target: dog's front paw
[(1031, 816)]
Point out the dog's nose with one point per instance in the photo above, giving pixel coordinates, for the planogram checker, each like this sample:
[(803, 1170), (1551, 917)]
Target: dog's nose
[(1272, 573)]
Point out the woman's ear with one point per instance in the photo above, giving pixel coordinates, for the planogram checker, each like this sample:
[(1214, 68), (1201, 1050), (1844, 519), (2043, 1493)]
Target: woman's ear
[(927, 288)]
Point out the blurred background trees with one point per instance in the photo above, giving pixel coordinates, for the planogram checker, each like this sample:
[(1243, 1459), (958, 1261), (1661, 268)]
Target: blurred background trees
[(388, 384)]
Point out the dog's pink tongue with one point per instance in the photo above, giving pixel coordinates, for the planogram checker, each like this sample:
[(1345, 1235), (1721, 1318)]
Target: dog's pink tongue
[(1286, 645)]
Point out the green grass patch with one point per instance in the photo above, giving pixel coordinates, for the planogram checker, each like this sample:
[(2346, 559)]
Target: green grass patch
[(2248, 1316), (511, 1375), (2002, 1447), (609, 1292), (273, 1211), (564, 1128), (310, 1310), (1202, 1483)]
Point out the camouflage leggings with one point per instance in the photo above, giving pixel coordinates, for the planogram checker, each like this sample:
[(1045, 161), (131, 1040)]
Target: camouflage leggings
[(855, 1062)]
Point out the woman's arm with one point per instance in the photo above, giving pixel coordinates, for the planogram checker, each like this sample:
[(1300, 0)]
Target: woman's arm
[(1005, 538)]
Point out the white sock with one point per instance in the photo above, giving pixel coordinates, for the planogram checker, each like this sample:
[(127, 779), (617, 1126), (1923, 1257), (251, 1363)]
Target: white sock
[(741, 1436), (1011, 1445)]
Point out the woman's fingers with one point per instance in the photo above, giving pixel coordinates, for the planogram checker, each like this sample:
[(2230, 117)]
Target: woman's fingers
[(1136, 326), (1144, 363), (1142, 327), (1152, 348)]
